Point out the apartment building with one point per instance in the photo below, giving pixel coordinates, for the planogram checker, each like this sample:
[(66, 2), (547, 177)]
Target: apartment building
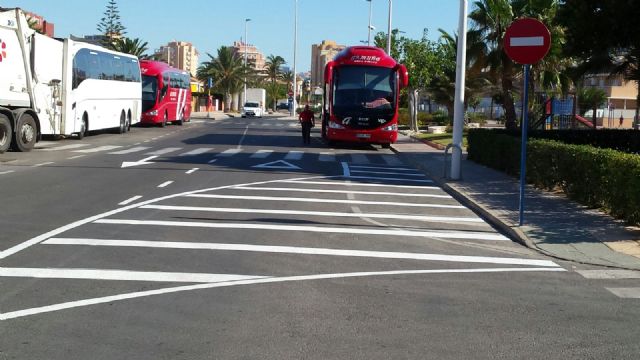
[(321, 54), (255, 59), (179, 54)]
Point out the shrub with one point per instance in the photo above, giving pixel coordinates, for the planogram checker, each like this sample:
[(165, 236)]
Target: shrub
[(599, 178)]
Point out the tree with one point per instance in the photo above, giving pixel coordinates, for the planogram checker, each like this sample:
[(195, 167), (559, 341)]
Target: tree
[(110, 25), (226, 70), (591, 98), (491, 19), (274, 73), (380, 41), (131, 46)]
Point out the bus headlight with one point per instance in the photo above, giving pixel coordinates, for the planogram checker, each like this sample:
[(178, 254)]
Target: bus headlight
[(335, 125), (152, 113), (393, 127)]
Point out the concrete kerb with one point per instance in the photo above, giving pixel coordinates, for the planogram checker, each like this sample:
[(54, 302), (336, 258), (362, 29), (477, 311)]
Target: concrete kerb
[(513, 232)]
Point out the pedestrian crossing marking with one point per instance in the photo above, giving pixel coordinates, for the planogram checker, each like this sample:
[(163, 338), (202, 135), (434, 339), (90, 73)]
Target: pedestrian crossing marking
[(261, 154), (65, 147), (229, 152), (130, 150), (197, 151), (294, 155), (98, 149), (164, 151), (327, 157), (278, 164), (360, 159)]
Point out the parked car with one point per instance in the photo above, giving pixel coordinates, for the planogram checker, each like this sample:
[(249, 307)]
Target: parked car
[(251, 109)]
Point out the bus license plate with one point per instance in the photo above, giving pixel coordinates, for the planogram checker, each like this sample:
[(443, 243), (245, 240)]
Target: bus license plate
[(363, 136)]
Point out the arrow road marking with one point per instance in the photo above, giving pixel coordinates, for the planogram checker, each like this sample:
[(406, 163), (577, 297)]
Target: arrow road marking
[(144, 161)]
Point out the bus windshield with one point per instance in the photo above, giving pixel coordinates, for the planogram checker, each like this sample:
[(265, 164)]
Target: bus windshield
[(364, 91), (149, 92)]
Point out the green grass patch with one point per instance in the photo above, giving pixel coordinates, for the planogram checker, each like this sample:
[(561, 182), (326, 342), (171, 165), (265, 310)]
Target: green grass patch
[(442, 139)]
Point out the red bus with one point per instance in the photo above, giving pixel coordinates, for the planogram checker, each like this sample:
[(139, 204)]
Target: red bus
[(166, 94), (361, 94)]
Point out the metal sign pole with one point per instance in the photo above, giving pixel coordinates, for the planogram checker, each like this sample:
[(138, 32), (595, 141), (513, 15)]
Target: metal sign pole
[(523, 151)]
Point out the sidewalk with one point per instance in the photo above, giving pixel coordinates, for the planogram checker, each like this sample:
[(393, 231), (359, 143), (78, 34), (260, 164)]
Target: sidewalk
[(554, 225)]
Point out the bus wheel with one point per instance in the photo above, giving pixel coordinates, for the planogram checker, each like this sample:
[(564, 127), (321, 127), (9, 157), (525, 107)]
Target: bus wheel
[(164, 121), (83, 128), (181, 120), (5, 133), (386, 145), (24, 139), (123, 124), (128, 126)]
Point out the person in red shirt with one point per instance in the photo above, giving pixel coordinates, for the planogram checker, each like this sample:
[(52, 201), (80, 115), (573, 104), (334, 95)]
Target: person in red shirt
[(307, 121)]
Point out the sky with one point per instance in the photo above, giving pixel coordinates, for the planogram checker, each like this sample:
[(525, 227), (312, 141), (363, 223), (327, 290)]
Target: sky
[(209, 24)]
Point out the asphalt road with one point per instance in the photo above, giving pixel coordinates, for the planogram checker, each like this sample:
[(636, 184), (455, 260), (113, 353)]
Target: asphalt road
[(230, 239)]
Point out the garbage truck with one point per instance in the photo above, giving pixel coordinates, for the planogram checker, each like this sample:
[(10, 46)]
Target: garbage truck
[(61, 87)]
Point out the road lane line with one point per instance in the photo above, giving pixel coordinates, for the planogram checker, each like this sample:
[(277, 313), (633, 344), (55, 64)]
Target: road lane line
[(43, 164), (319, 200), (165, 184), (66, 147), (301, 251), (387, 173), (130, 200), (130, 150), (345, 169), (626, 293), (192, 171), (452, 219), (212, 161), (319, 229), (381, 168), (98, 149), (164, 151), (384, 193), (7, 172), (388, 179), (244, 134), (342, 183), (121, 275), (176, 289), (294, 155)]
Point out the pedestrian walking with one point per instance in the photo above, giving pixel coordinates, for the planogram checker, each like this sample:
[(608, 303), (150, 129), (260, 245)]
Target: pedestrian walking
[(307, 121), (621, 120)]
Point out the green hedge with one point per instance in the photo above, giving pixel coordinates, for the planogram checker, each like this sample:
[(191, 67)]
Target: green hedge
[(598, 178)]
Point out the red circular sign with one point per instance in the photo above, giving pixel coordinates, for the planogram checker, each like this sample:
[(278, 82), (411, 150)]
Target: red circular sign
[(527, 41)]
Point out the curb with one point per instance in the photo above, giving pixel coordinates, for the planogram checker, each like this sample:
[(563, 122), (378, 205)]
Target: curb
[(514, 233)]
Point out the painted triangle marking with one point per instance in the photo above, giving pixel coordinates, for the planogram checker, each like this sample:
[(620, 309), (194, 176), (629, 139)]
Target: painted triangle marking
[(278, 164)]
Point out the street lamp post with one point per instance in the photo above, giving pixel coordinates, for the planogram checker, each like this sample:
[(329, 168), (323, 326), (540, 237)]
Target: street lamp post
[(246, 22), (295, 46), (389, 29), (369, 28), (458, 107)]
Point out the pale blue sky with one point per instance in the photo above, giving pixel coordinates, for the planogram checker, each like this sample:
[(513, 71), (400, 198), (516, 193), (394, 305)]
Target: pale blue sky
[(209, 24)]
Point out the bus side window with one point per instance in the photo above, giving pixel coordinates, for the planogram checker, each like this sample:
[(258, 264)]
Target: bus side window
[(80, 68), (165, 85)]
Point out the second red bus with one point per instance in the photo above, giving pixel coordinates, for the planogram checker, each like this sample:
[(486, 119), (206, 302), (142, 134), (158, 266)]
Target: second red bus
[(166, 94)]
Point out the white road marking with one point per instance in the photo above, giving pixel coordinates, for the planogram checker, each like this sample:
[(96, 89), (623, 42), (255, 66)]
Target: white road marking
[(98, 149), (165, 184), (453, 219), (626, 293), (76, 157), (145, 161), (341, 183), (383, 193), (164, 151), (381, 168), (140, 294), (6, 172), (387, 173), (527, 41), (294, 155), (229, 152), (360, 159), (278, 164), (609, 274), (66, 147), (196, 151), (301, 251), (261, 154), (387, 179), (242, 138), (131, 150), (122, 275), (345, 169), (192, 171), (318, 200), (318, 229), (130, 200), (327, 157), (212, 161), (391, 160), (44, 163)]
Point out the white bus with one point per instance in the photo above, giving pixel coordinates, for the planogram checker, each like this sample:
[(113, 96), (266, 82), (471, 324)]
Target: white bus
[(61, 87), (102, 89)]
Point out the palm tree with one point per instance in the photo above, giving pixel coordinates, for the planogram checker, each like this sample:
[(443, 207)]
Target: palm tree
[(491, 18), (272, 69), (131, 46), (227, 71), (591, 98)]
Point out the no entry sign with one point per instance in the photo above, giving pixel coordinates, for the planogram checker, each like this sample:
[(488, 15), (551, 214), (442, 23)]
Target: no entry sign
[(527, 41)]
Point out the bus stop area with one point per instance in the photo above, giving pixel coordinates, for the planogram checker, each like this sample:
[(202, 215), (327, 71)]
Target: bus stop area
[(554, 225)]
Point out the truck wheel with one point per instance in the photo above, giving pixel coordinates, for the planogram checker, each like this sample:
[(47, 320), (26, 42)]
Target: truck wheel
[(26, 134), (5, 133)]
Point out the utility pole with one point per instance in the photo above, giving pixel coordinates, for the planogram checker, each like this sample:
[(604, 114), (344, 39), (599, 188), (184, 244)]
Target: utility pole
[(246, 44), (295, 47), (369, 36), (458, 109), (389, 29)]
